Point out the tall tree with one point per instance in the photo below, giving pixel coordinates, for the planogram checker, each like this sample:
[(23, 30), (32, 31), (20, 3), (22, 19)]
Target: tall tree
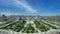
[(4, 18)]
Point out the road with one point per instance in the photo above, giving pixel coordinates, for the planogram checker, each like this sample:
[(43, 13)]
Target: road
[(51, 24), (8, 24)]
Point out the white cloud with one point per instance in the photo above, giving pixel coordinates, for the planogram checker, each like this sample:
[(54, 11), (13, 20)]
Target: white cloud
[(20, 4), (26, 6), (9, 13)]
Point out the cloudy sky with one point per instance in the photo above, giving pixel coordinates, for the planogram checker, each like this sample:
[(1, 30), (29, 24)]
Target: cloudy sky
[(30, 7)]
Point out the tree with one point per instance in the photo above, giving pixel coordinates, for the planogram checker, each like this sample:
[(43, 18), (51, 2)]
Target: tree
[(4, 18), (29, 29)]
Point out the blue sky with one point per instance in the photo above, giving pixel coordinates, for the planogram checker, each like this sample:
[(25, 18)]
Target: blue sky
[(30, 7)]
